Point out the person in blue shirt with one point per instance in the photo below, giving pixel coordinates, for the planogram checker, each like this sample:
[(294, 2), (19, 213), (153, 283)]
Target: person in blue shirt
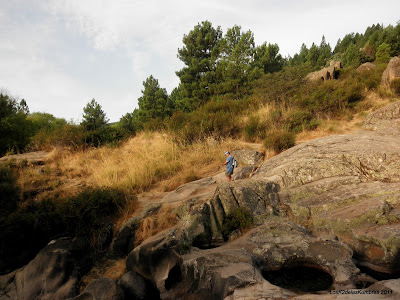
[(229, 166)]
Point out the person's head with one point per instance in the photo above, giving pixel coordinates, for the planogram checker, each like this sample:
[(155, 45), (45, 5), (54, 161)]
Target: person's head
[(227, 153)]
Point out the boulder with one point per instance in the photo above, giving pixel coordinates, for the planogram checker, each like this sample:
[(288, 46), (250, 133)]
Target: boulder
[(324, 74), (345, 186), (247, 157), (386, 118), (336, 64), (137, 287), (243, 263), (156, 257), (392, 71), (28, 159), (7, 286), (101, 289), (366, 67), (53, 274), (124, 241)]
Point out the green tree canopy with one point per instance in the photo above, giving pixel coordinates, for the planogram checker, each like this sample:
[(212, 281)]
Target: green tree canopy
[(15, 129), (93, 116), (268, 59), (200, 53), (237, 55), (383, 53), (154, 102)]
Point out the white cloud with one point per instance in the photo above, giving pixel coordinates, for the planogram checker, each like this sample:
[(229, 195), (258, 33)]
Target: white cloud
[(58, 54)]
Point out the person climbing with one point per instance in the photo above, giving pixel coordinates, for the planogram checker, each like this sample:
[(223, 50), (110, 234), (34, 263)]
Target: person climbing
[(229, 166)]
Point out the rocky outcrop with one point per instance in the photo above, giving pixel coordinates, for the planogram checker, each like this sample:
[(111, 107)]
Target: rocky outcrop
[(53, 274), (245, 262), (28, 159), (386, 118), (137, 287), (124, 241), (325, 73), (101, 289), (392, 72), (366, 67), (247, 157), (345, 186)]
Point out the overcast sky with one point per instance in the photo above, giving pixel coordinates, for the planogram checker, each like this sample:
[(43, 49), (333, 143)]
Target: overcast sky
[(59, 54)]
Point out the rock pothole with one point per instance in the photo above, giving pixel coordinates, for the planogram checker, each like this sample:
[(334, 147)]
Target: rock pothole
[(300, 279), (174, 277)]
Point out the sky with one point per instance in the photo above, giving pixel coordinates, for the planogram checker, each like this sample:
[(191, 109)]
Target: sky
[(60, 54)]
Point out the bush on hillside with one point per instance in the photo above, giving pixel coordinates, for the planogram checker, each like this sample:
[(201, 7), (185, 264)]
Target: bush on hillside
[(254, 129), (299, 120), (279, 140), (86, 215), (9, 192), (218, 119), (67, 135), (238, 219)]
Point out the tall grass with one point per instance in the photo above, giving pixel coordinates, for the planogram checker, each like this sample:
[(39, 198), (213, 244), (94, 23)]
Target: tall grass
[(143, 161)]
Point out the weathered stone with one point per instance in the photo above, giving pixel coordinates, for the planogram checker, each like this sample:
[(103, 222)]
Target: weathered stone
[(366, 67), (388, 288), (157, 256), (336, 64), (260, 198), (247, 157), (345, 186), (101, 289), (124, 241), (385, 118), (54, 273), (31, 158), (219, 272), (7, 286), (324, 74), (392, 71), (136, 287)]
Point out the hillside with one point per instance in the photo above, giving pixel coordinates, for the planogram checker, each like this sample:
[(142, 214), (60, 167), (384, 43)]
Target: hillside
[(154, 209)]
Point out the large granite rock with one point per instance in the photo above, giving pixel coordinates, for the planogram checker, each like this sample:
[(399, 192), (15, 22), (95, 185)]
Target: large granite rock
[(386, 118), (124, 241), (345, 186), (101, 289), (53, 274), (392, 72), (325, 73), (247, 157), (190, 273), (366, 67), (28, 159)]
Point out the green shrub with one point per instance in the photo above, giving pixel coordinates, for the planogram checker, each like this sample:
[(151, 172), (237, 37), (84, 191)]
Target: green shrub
[(85, 215), (215, 118), (238, 219), (299, 120), (279, 140), (9, 191), (251, 129)]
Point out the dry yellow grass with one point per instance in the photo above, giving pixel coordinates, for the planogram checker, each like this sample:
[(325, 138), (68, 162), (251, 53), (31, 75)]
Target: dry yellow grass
[(149, 159), (164, 219)]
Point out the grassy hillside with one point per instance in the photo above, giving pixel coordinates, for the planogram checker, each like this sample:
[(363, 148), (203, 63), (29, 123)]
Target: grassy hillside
[(96, 186)]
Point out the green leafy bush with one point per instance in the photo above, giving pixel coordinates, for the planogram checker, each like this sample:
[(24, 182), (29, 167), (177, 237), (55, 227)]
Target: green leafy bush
[(279, 140), (299, 120), (238, 219), (85, 215), (9, 192)]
